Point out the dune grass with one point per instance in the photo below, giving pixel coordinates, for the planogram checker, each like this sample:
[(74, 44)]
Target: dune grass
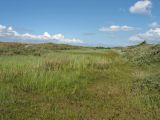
[(78, 84)]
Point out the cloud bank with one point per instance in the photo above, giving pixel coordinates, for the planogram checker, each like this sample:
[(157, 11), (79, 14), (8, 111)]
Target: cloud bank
[(141, 7), (152, 35), (10, 33), (115, 28)]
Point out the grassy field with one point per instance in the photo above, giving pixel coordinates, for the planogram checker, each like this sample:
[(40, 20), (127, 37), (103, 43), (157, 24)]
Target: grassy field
[(62, 82)]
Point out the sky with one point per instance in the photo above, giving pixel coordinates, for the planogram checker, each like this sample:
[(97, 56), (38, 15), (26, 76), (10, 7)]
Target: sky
[(80, 22)]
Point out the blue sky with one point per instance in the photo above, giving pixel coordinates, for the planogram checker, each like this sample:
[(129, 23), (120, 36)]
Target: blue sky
[(84, 22)]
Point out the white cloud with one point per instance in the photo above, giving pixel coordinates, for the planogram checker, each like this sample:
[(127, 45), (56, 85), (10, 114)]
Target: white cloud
[(152, 35), (72, 40), (10, 33), (115, 28), (2, 28), (141, 7), (154, 25), (10, 29)]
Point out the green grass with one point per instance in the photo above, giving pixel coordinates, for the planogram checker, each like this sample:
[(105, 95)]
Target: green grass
[(76, 83)]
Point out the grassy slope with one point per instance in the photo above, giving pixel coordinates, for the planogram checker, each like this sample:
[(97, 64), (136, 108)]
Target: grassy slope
[(79, 83)]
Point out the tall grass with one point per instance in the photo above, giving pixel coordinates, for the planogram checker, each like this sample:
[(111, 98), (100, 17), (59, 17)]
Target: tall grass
[(84, 84)]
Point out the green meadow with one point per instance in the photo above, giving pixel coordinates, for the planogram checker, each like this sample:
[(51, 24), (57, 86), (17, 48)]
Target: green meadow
[(63, 82)]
